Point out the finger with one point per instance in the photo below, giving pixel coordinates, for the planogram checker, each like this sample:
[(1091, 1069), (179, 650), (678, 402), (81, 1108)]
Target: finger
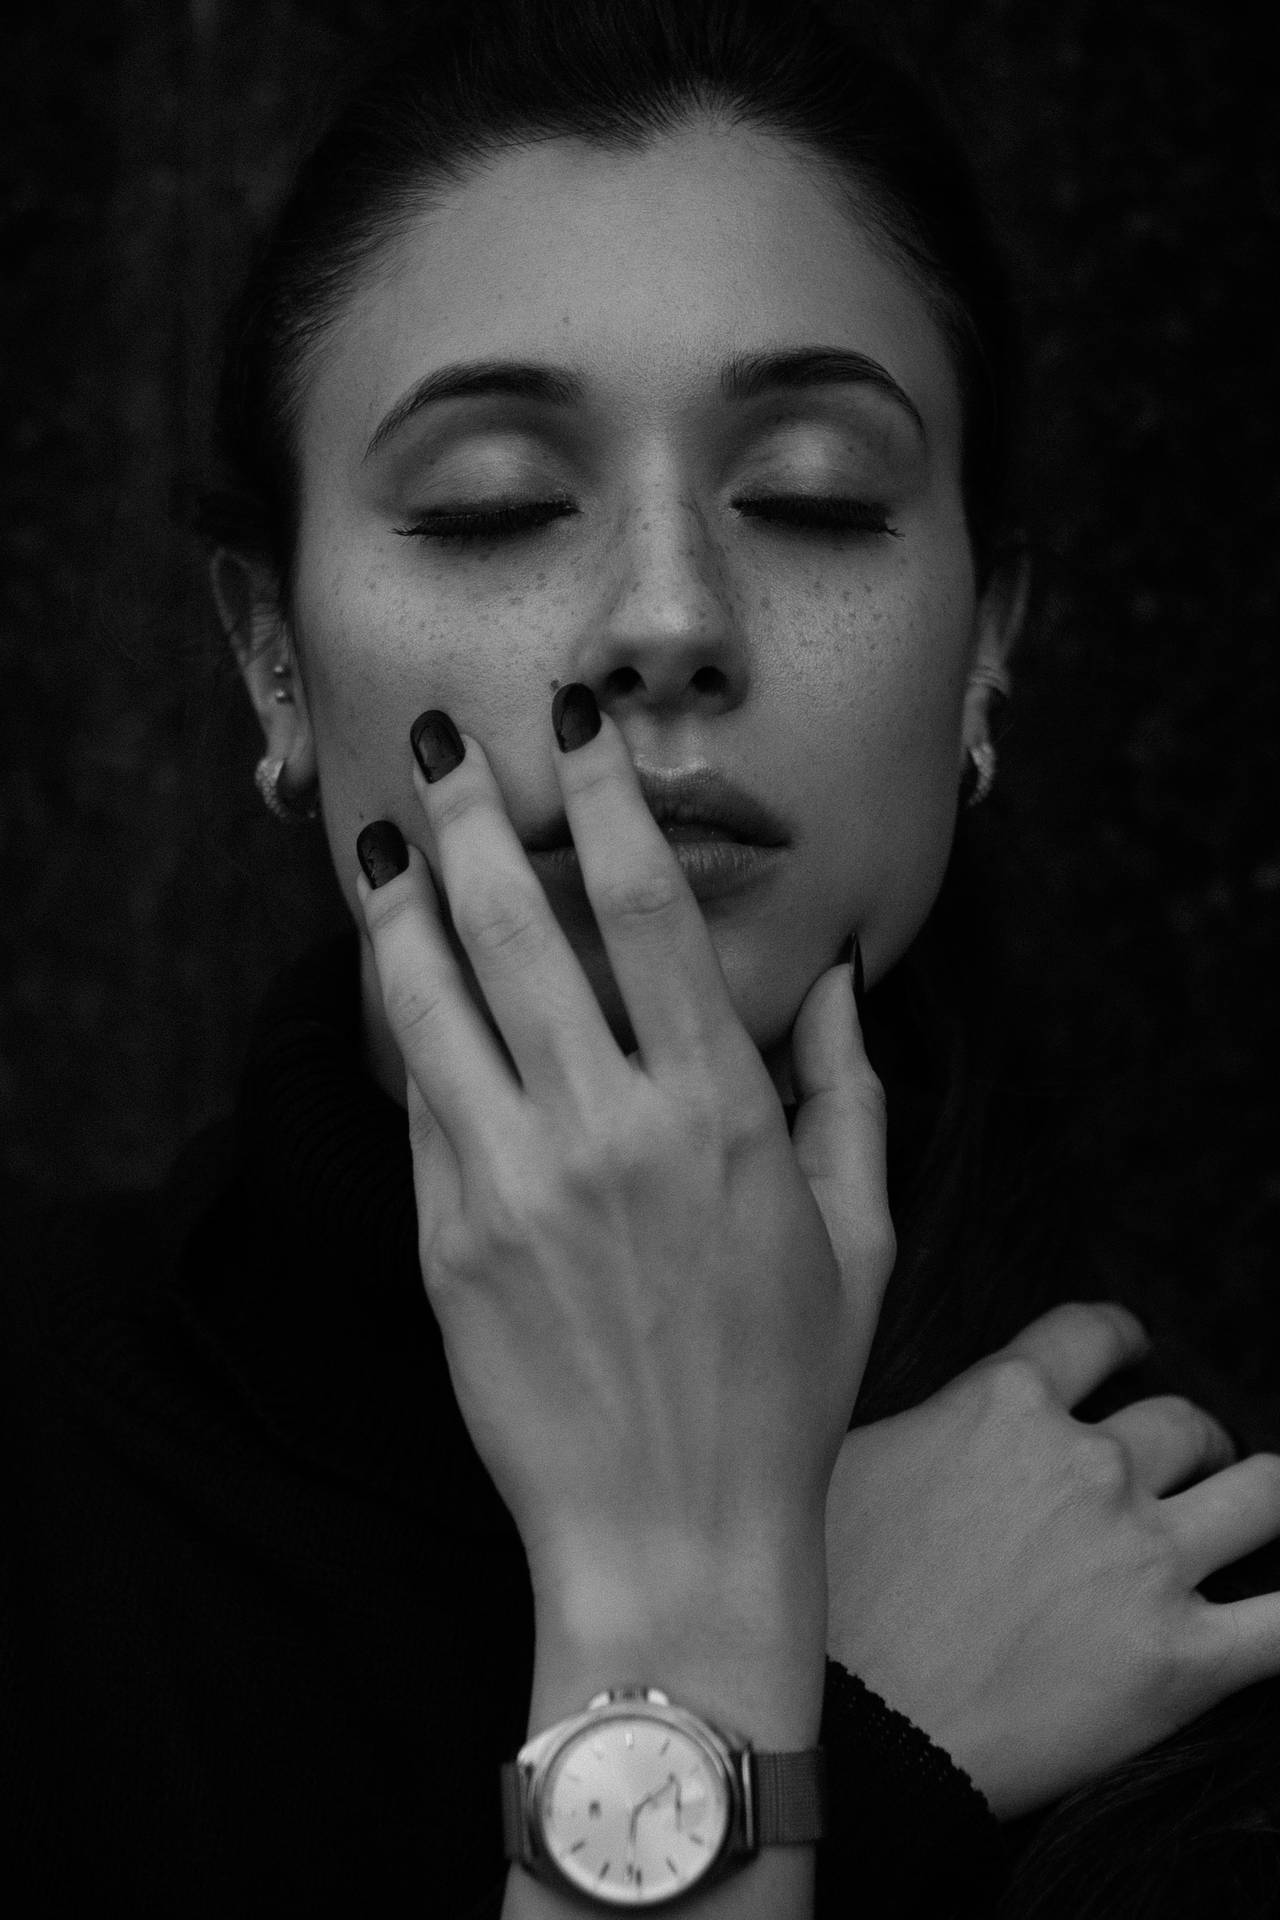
[(839, 1131), (1076, 1345), (1226, 1516), (531, 979), (661, 953), (1170, 1441), (1241, 1640), (447, 1049), (437, 1173)]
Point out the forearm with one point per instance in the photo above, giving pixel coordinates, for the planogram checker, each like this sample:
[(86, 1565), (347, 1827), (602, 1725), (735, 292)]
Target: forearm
[(746, 1652)]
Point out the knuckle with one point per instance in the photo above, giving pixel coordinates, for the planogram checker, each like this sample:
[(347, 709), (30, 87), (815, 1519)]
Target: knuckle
[(412, 1005), (452, 1258), (748, 1120), (732, 1136), (1017, 1385), (879, 1238), (648, 896), (492, 919), (590, 1155), (384, 907), (869, 1089), (508, 1219), (454, 801), (1100, 1463)]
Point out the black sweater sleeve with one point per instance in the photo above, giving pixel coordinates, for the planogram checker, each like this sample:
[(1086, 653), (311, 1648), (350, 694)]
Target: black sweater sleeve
[(906, 1826)]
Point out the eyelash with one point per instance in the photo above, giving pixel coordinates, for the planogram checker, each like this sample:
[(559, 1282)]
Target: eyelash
[(466, 525)]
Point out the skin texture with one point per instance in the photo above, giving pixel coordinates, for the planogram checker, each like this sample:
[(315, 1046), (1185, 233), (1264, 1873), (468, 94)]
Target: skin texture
[(828, 673)]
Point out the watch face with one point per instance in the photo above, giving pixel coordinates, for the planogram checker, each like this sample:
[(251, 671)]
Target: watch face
[(634, 1811)]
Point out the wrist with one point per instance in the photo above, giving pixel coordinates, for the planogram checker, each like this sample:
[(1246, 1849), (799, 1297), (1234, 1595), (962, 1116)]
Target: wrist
[(741, 1641)]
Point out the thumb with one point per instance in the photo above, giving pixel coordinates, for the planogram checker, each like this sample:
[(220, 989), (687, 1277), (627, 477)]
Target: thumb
[(839, 1132)]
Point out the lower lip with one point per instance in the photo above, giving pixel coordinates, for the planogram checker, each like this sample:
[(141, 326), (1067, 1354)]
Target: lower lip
[(713, 868)]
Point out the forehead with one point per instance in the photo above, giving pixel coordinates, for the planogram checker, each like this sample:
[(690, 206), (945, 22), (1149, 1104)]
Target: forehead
[(643, 270)]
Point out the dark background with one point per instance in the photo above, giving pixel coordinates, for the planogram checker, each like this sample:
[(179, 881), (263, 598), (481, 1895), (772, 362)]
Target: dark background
[(1130, 158)]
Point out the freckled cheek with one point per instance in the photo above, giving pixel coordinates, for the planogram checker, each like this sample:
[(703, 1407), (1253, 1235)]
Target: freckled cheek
[(365, 652), (907, 659), (377, 659)]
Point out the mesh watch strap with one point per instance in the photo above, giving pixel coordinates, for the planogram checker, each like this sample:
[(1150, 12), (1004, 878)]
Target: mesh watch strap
[(511, 1810), (791, 1797)]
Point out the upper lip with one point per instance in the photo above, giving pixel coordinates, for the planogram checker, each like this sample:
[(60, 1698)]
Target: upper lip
[(684, 797)]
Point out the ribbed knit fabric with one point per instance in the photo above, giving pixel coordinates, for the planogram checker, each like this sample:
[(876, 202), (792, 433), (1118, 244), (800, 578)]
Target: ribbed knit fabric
[(266, 1626)]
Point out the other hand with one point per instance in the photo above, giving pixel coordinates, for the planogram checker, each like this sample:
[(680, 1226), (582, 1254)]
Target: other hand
[(1021, 1584)]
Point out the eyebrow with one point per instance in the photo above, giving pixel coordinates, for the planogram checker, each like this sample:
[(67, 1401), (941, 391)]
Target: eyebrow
[(743, 377)]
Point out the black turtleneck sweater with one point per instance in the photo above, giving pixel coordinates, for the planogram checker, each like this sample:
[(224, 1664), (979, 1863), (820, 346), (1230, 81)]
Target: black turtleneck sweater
[(267, 1628)]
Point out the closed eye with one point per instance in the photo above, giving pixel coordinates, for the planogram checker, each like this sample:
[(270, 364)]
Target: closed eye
[(804, 512)]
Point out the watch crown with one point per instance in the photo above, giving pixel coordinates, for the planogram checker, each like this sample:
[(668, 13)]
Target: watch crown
[(630, 1691)]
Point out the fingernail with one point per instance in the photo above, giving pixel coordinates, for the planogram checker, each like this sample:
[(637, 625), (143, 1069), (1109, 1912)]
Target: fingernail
[(859, 979), (575, 716), (381, 851), (436, 743)]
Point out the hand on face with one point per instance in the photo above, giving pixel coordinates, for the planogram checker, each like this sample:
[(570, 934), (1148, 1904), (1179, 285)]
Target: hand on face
[(656, 1305)]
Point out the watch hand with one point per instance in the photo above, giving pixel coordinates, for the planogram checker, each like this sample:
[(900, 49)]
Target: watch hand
[(656, 1794)]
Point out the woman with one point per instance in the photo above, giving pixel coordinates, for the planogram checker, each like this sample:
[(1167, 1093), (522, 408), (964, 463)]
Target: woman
[(618, 420)]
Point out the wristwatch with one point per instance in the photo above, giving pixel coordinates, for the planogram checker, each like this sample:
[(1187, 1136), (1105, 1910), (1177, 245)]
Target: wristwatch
[(636, 1802)]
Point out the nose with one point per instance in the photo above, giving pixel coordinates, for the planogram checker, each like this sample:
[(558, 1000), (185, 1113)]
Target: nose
[(668, 635)]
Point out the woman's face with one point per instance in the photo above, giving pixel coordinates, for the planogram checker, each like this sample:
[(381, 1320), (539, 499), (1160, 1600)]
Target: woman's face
[(823, 671)]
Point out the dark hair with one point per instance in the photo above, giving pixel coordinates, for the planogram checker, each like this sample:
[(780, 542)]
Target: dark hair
[(980, 1250), (471, 82)]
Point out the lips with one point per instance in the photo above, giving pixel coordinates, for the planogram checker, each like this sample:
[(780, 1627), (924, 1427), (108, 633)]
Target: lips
[(697, 803), (716, 866)]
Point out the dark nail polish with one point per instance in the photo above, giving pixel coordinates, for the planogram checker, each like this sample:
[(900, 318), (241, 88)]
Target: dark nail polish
[(575, 716), (381, 851), (436, 743), (859, 979)]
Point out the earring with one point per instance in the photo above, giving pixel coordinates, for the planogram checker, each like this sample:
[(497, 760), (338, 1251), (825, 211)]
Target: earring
[(281, 674), (979, 775), (268, 776)]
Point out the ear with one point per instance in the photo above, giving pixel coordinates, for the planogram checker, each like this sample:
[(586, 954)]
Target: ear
[(247, 596), (998, 624)]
